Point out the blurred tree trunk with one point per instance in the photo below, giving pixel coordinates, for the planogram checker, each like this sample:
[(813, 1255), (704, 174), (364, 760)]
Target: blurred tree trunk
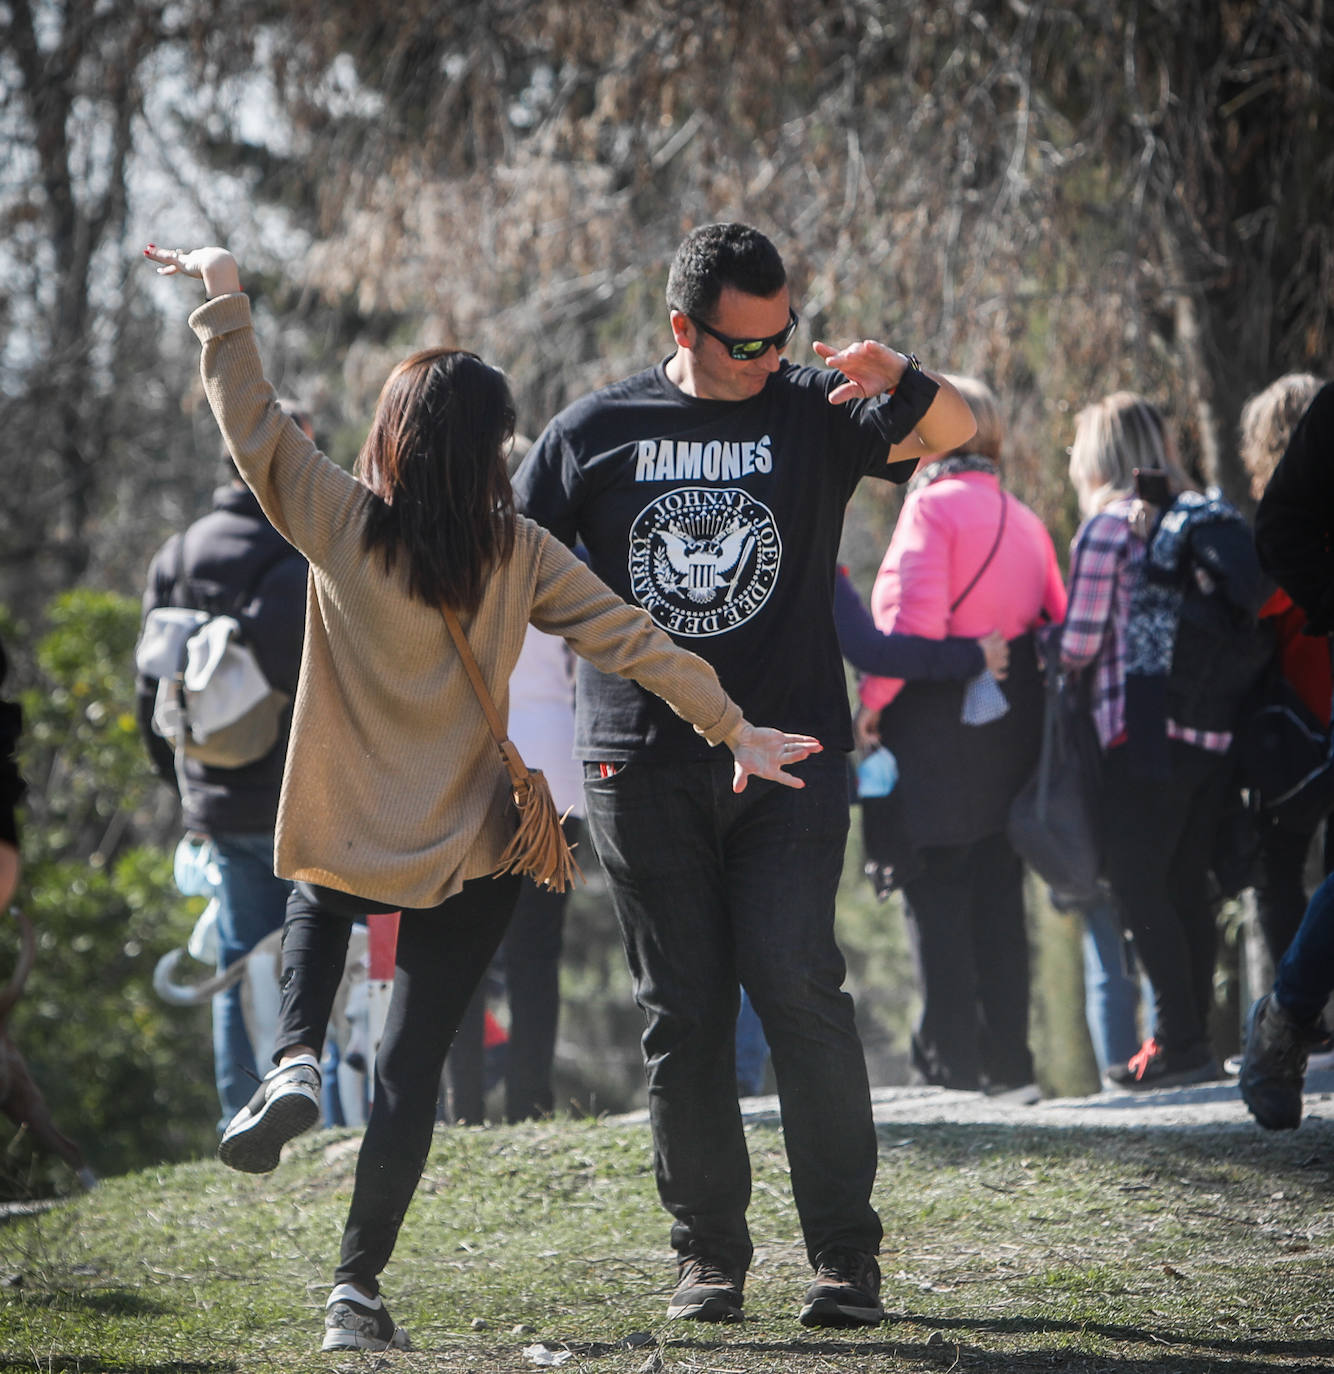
[(76, 214)]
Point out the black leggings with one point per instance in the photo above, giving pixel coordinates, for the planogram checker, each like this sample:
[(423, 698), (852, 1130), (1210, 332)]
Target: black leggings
[(1159, 836), (442, 953)]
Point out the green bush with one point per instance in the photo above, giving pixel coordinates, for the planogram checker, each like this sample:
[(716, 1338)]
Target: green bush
[(124, 1074)]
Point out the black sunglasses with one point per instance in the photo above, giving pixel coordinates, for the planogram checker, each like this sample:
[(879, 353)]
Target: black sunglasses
[(747, 350)]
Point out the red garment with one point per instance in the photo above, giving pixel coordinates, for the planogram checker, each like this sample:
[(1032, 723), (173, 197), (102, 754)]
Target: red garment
[(1304, 658)]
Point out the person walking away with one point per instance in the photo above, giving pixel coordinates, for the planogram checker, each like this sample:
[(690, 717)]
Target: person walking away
[(389, 724), (232, 561), (1267, 422), (710, 490), (1165, 763), (1294, 531), (966, 558)]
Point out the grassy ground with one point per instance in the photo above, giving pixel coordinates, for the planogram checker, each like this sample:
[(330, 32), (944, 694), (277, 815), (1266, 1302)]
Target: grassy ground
[(1006, 1249)]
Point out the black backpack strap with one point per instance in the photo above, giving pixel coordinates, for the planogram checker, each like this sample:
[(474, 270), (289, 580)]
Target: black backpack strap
[(180, 577), (284, 550)]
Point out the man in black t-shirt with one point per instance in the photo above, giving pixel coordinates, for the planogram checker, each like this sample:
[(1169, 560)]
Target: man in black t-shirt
[(710, 490)]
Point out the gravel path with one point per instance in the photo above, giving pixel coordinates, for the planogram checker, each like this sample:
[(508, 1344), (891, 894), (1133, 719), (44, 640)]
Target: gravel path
[(1211, 1105)]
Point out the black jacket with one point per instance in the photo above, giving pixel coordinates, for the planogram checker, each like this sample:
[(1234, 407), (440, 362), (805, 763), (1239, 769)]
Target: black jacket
[(957, 781), (221, 555), (1294, 526)]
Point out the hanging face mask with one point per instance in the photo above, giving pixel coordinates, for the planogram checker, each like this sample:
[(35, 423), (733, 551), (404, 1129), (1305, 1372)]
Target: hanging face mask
[(983, 700), (877, 773)]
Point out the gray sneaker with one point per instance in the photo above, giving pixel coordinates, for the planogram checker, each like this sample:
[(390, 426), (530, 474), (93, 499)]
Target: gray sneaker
[(286, 1103), (352, 1321), (1273, 1067)]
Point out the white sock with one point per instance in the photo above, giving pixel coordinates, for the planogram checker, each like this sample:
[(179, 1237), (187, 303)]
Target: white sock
[(307, 1059), (347, 1292)]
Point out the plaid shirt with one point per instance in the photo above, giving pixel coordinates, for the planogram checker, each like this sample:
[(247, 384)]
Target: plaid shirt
[(1104, 565)]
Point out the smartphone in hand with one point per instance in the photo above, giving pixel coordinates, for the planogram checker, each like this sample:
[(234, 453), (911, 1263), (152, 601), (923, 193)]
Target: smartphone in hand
[(1152, 487)]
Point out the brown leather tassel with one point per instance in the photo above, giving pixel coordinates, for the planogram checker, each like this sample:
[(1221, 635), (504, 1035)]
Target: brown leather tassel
[(539, 849)]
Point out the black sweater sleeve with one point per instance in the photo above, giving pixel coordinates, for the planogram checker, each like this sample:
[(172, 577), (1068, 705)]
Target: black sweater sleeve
[(1294, 525), (910, 657)]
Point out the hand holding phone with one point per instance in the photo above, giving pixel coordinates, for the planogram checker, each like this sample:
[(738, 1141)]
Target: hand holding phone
[(1152, 487)]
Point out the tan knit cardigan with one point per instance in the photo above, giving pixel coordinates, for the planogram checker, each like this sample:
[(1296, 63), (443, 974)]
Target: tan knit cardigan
[(394, 789)]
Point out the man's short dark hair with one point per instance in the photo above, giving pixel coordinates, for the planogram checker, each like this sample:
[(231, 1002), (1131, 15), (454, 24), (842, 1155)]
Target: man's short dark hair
[(718, 255)]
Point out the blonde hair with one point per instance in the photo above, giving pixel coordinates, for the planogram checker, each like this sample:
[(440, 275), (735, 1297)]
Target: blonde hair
[(990, 434), (1113, 437), (1267, 422)]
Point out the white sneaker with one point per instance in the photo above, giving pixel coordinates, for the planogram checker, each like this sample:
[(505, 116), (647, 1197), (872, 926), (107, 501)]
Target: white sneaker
[(352, 1321), (286, 1103)]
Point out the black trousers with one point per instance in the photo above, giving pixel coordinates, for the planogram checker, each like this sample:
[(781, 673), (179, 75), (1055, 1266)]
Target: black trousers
[(1159, 836), (530, 961), (442, 953), (965, 918)]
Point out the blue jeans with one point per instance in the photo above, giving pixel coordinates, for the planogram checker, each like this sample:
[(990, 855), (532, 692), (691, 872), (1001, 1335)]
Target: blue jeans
[(752, 1050), (1114, 989), (713, 890), (1306, 972), (251, 904)]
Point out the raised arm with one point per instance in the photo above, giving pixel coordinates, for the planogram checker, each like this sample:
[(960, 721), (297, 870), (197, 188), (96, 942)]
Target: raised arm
[(872, 368), (308, 499)]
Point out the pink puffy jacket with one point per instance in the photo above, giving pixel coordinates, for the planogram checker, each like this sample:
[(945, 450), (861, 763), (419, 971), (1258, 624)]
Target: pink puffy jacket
[(943, 535)]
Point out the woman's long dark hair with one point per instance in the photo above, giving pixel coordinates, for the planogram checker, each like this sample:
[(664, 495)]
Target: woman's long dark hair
[(435, 457)]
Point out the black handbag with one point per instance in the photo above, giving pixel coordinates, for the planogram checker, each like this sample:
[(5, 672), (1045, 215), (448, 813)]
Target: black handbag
[(1054, 822)]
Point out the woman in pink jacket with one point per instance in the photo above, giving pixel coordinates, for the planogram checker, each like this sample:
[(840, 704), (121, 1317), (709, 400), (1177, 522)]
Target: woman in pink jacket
[(966, 558)]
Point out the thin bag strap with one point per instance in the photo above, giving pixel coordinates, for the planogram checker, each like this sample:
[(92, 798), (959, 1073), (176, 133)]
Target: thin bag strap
[(986, 562), (513, 762)]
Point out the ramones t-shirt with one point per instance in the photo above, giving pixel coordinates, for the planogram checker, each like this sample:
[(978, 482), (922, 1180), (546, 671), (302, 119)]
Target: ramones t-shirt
[(722, 520)]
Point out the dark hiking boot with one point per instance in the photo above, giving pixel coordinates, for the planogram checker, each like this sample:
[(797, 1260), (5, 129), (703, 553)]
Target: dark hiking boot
[(705, 1292), (846, 1291), (1273, 1066)]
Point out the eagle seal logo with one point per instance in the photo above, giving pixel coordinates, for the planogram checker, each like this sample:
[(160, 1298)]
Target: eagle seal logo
[(703, 560)]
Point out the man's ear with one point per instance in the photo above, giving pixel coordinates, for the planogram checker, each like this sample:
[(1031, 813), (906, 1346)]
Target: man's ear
[(683, 329)]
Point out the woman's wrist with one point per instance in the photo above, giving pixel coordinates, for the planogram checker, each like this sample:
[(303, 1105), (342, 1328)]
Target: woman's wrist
[(221, 276)]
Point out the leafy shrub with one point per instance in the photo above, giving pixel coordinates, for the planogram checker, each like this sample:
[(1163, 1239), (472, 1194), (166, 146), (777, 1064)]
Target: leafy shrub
[(127, 1076)]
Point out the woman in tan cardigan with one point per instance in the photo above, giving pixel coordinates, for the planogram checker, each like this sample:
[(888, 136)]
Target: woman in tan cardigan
[(393, 796)]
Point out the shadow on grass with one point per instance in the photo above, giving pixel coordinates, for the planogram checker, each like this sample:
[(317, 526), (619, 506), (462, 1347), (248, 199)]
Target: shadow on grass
[(78, 1364), (1139, 1335), (109, 1302), (1241, 1355)]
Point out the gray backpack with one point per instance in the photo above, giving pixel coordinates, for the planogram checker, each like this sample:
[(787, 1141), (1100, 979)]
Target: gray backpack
[(214, 704)]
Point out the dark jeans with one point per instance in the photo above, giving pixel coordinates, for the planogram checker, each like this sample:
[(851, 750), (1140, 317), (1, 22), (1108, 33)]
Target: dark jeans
[(1158, 836), (1280, 883), (442, 953), (965, 918), (713, 890), (1306, 973)]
